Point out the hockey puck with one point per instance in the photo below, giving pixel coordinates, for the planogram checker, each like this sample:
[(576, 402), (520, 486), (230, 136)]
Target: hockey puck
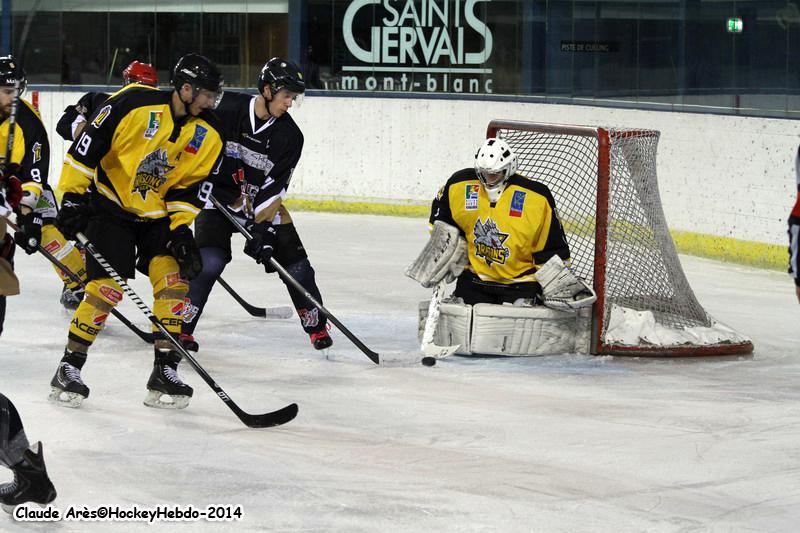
[(428, 361)]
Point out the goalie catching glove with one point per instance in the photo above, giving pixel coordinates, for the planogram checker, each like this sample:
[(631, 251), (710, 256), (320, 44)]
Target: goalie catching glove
[(443, 258), (561, 288)]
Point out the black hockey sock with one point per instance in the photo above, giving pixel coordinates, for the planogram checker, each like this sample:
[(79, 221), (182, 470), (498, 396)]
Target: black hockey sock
[(214, 261), (310, 317)]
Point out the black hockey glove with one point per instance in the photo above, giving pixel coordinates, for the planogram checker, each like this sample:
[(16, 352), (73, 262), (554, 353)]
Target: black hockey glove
[(261, 246), (73, 217), (29, 234), (184, 248)]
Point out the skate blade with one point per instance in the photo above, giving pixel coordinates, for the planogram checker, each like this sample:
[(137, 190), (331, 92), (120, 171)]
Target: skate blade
[(154, 399), (10, 508), (65, 399)]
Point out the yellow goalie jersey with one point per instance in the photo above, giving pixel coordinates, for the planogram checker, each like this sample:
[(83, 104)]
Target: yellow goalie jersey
[(144, 162), (509, 240)]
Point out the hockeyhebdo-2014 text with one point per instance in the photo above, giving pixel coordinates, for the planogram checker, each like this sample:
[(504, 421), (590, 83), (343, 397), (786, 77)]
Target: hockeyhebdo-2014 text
[(116, 513)]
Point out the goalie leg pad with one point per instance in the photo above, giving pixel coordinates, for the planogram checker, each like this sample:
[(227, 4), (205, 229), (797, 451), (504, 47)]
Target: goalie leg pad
[(453, 328), (512, 330), (444, 256)]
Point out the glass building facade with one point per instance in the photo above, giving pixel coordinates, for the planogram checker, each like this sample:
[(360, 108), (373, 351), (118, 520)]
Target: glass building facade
[(726, 56)]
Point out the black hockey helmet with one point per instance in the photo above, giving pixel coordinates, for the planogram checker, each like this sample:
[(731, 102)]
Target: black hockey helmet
[(281, 74), (199, 72), (11, 73)]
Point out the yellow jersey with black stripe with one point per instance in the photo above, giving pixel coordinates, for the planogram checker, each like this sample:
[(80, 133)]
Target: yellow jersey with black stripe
[(143, 161), (507, 240), (31, 151)]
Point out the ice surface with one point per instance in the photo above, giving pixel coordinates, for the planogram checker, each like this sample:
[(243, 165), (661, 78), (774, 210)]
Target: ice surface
[(558, 443)]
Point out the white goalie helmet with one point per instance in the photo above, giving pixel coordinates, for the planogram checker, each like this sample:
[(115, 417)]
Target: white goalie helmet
[(495, 156)]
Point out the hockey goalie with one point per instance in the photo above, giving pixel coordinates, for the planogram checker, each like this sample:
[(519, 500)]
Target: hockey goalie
[(497, 234)]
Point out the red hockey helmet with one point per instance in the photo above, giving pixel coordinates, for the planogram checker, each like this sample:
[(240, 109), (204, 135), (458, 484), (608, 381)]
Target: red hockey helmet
[(138, 72)]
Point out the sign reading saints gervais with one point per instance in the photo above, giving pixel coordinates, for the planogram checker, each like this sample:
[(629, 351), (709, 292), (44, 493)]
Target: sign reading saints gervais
[(417, 45)]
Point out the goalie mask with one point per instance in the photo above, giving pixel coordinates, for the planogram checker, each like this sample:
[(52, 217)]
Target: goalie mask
[(495, 163)]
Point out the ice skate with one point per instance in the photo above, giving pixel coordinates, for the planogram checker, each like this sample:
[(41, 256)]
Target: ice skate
[(72, 298), (68, 389), (30, 484), (165, 390), (321, 339), (188, 342)]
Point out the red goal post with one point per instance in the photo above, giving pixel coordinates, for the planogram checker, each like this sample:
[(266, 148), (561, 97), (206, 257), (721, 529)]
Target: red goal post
[(606, 191)]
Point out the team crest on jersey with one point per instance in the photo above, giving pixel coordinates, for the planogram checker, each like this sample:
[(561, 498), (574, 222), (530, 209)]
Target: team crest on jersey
[(489, 242), (101, 116), (197, 141), (151, 174), (153, 123), (471, 197), (37, 152), (517, 203)]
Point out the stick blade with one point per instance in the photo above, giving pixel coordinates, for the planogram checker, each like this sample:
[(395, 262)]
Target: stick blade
[(282, 312), (268, 420)]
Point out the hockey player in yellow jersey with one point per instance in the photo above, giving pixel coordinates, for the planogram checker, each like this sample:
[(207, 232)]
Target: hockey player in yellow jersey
[(498, 234), (145, 153), (30, 161)]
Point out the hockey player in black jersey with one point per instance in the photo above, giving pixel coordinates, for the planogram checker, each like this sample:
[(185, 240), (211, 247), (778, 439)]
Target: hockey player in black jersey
[(71, 124), (73, 119), (31, 482), (263, 146)]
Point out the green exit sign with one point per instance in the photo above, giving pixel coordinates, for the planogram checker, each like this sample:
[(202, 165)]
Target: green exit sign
[(735, 25)]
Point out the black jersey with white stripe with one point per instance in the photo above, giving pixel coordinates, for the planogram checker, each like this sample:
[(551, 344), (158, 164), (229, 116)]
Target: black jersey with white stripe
[(260, 155), (78, 113)]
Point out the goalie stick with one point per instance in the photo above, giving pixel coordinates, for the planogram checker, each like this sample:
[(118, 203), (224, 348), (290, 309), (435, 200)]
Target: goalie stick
[(373, 356), (274, 418), (144, 335), (260, 312), (428, 347)]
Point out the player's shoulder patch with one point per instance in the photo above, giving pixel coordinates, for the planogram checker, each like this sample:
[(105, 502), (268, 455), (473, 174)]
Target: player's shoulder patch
[(531, 185)]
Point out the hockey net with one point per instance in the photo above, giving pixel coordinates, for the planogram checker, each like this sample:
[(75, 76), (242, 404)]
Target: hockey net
[(606, 191)]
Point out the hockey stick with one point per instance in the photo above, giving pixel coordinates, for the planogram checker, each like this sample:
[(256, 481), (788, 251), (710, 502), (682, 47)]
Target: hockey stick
[(428, 347), (261, 312), (145, 336), (373, 356), (274, 418)]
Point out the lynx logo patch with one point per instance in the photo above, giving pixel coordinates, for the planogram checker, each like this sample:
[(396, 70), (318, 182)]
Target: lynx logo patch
[(489, 242), (151, 174), (471, 197), (101, 116), (37, 152), (111, 294), (517, 203), (197, 141), (153, 123)]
